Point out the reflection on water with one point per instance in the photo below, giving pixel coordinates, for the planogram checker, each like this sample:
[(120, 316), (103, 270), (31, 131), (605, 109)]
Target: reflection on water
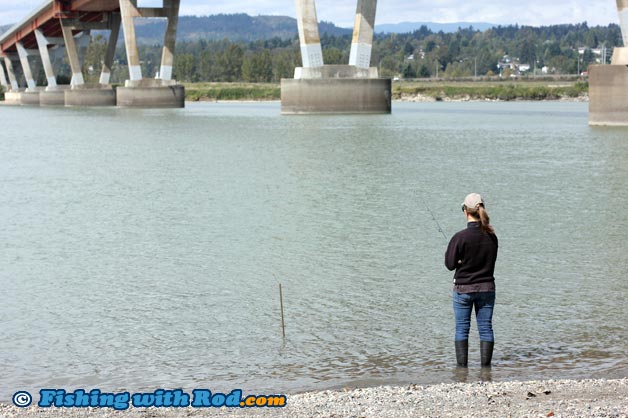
[(143, 248)]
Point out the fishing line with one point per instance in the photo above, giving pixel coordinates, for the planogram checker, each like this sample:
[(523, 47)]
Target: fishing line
[(437, 224)]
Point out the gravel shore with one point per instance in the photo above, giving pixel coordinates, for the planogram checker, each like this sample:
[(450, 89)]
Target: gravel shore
[(420, 98), (551, 398)]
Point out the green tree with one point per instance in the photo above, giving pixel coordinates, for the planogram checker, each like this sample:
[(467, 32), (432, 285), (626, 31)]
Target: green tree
[(284, 63), (389, 67), (408, 72), (94, 59), (527, 51), (424, 71), (257, 66), (332, 56), (184, 67), (230, 63)]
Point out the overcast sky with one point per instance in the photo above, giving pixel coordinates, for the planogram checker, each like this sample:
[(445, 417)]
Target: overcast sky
[(341, 12)]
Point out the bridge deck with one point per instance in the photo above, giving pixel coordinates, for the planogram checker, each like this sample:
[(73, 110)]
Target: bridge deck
[(46, 18)]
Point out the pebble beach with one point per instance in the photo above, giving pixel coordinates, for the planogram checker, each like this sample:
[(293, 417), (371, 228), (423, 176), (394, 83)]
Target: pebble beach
[(549, 398)]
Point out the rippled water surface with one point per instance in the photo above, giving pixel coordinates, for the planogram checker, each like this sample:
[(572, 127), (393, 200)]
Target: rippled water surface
[(143, 249)]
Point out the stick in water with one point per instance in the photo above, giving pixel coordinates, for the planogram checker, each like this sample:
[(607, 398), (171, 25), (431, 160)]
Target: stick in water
[(283, 327)]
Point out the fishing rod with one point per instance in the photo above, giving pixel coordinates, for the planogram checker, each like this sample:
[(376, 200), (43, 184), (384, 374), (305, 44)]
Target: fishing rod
[(437, 224)]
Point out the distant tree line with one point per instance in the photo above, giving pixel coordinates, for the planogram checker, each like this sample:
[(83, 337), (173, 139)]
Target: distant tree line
[(419, 54)]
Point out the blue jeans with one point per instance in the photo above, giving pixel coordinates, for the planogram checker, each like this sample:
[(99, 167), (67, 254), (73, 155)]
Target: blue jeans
[(484, 302)]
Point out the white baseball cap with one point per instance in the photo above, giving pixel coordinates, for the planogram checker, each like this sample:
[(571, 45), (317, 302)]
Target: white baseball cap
[(473, 200)]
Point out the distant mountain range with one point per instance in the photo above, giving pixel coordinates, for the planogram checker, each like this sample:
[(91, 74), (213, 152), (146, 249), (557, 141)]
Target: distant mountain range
[(242, 27), (235, 27)]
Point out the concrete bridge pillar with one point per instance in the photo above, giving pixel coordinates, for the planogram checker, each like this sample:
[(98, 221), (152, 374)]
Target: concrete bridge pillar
[(171, 9), (608, 84), (319, 88), (105, 74), (3, 78), (14, 94), (31, 95), (129, 11), (26, 67), (11, 72), (307, 22), (53, 94), (73, 57), (42, 43), (150, 92), (362, 43)]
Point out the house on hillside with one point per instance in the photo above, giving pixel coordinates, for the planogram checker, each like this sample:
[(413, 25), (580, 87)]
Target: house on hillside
[(512, 66)]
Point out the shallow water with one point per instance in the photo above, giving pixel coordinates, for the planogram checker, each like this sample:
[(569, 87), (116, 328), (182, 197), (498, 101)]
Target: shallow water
[(143, 248)]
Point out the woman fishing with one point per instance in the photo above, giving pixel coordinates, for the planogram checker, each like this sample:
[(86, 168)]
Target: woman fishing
[(472, 253)]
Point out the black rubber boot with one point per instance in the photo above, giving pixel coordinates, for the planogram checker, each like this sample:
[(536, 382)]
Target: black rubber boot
[(486, 352), (462, 352)]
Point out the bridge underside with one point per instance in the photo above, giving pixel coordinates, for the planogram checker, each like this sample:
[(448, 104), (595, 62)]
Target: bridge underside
[(49, 17), (68, 23)]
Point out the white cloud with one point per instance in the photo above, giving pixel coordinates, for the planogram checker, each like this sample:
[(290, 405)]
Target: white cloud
[(531, 12)]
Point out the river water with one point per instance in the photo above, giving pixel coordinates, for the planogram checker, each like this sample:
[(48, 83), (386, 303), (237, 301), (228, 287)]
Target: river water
[(143, 249)]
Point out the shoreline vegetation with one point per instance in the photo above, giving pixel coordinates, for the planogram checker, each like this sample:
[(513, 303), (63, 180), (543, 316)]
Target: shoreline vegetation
[(428, 90), (418, 90), (544, 398)]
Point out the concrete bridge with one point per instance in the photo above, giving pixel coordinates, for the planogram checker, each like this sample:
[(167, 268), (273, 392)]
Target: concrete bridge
[(67, 23)]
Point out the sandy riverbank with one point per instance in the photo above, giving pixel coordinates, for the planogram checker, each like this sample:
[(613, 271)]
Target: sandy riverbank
[(558, 398)]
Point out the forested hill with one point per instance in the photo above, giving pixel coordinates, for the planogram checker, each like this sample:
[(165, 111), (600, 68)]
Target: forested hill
[(235, 27)]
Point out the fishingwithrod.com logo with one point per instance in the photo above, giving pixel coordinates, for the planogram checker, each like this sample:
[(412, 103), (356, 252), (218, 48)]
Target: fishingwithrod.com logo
[(161, 398)]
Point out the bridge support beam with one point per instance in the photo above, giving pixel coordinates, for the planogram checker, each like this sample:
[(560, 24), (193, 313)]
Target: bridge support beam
[(105, 74), (307, 22), (53, 95), (319, 88), (26, 67), (171, 9), (3, 78), (128, 11), (73, 57), (138, 91), (42, 43), (608, 84), (362, 43), (11, 72)]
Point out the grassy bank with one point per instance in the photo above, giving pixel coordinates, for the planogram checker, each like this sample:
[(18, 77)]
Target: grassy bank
[(410, 90), (490, 90), (195, 92)]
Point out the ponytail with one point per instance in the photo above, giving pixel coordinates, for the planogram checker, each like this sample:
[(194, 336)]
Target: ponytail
[(480, 213), (485, 221)]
